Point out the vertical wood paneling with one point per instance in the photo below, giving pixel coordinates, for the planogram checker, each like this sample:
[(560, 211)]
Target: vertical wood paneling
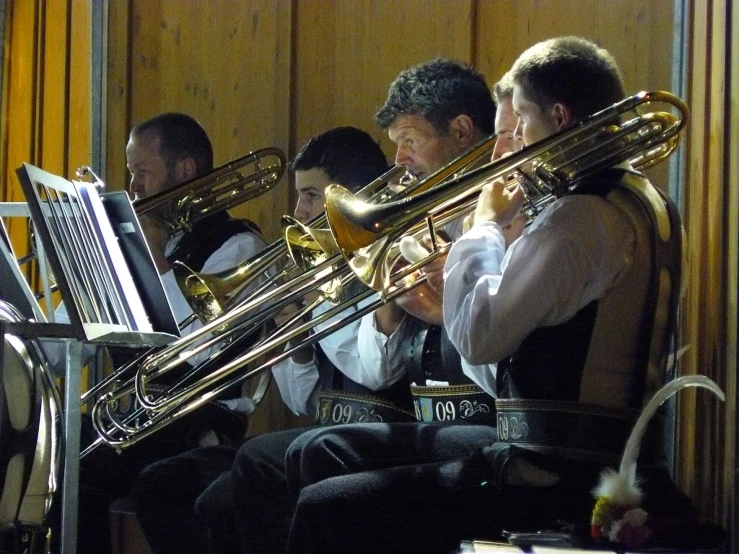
[(19, 121), (731, 510), (46, 100), (223, 62), (636, 32), (54, 100), (79, 118), (118, 102), (706, 430), (347, 53)]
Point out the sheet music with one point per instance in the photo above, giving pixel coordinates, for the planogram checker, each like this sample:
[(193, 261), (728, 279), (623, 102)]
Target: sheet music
[(111, 251)]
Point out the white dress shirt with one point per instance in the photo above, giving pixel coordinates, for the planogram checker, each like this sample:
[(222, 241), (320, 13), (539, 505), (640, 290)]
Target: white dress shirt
[(575, 250), (383, 355), (298, 382)]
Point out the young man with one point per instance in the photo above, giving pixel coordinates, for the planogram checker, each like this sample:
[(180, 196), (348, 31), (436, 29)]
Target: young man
[(536, 314), (434, 112), (196, 515)]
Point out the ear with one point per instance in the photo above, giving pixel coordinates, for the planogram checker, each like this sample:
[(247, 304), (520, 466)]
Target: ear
[(462, 131), (187, 169), (562, 116)]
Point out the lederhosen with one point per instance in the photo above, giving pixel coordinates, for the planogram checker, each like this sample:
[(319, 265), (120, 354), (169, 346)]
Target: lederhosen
[(540, 408), (430, 356)]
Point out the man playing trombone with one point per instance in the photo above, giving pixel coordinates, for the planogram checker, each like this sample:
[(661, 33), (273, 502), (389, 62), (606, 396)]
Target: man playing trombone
[(197, 515), (162, 153), (434, 112), (558, 316)]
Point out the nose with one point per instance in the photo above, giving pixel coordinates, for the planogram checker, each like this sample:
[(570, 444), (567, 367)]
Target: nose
[(402, 156), (135, 187), (502, 145), (518, 132), (301, 212)]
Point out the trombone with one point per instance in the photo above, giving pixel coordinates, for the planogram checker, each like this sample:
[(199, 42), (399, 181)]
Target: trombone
[(223, 188), (365, 233), (210, 295)]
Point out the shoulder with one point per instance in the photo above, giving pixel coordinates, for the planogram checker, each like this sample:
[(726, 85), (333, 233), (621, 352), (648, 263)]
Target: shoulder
[(233, 251), (583, 215)]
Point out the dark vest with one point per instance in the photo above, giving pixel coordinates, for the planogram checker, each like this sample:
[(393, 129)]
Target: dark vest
[(549, 362), (207, 236), (573, 391), (430, 356)]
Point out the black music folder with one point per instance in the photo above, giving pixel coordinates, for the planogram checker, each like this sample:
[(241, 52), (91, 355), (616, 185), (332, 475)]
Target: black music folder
[(140, 262)]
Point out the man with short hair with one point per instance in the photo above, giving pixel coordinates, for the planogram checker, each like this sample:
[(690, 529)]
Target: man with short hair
[(197, 515), (536, 314), (162, 153), (434, 112)]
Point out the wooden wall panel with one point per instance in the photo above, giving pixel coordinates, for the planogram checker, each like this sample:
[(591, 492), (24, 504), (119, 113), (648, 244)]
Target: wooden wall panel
[(79, 118), (638, 33), (119, 93), (225, 63), (19, 107), (347, 54), (46, 94), (707, 429)]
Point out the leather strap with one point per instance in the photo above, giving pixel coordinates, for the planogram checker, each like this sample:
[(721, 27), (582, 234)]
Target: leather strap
[(444, 403), (337, 407), (573, 430)]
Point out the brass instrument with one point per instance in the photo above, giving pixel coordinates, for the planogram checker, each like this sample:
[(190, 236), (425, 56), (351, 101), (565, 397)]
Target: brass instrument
[(209, 294), (546, 170), (221, 189), (367, 233)]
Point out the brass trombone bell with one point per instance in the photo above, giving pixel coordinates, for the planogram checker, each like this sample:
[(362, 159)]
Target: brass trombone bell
[(546, 169)]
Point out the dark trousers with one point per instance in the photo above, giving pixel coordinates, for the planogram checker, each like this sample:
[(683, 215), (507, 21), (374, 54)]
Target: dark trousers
[(431, 508), (263, 505), (106, 475), (183, 503), (270, 471)]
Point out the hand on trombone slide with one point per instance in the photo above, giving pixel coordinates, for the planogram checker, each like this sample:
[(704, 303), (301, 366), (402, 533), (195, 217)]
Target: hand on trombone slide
[(425, 300)]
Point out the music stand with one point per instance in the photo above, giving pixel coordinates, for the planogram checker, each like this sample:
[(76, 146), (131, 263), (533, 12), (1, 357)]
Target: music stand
[(102, 301), (13, 287)]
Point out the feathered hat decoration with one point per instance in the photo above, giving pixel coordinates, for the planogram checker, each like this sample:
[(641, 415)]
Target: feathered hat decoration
[(617, 515)]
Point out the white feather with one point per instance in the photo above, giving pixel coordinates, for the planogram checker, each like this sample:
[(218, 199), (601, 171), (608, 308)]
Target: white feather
[(633, 445), (622, 487)]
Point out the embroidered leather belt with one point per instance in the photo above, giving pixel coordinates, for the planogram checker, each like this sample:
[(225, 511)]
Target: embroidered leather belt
[(572, 430), (336, 407), (443, 403)]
